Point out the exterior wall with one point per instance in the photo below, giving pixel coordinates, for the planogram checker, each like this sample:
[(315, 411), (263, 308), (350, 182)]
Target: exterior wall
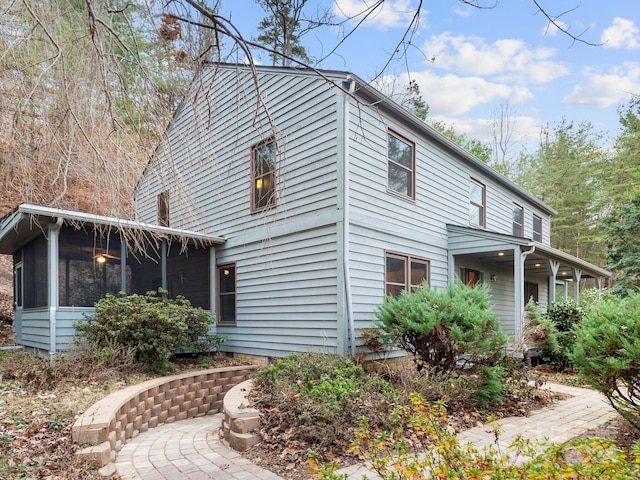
[(289, 259), (34, 329), (65, 317), (417, 227), (286, 267)]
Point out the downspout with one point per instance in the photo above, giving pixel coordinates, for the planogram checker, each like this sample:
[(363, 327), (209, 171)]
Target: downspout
[(53, 284), (346, 214)]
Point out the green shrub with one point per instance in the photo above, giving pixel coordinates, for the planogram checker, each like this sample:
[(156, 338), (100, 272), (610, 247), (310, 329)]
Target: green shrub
[(442, 327), (565, 317), (152, 325), (316, 399), (607, 352), (416, 444)]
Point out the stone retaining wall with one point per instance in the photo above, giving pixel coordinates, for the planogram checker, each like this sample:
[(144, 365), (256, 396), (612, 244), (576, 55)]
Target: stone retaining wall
[(107, 425), (240, 420)]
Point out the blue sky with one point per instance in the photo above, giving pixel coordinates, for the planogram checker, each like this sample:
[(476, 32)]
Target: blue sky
[(470, 63)]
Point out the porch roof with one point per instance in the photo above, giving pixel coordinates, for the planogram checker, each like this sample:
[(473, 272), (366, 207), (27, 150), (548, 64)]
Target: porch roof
[(28, 221), (499, 249)]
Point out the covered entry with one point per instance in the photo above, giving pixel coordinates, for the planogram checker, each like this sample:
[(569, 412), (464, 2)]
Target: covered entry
[(517, 270)]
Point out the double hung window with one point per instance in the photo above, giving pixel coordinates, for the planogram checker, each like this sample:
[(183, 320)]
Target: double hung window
[(401, 165), (537, 228), (263, 176), (477, 204), (518, 217)]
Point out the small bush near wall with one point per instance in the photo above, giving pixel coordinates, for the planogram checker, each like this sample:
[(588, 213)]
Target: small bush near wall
[(607, 352), (152, 325), (443, 327)]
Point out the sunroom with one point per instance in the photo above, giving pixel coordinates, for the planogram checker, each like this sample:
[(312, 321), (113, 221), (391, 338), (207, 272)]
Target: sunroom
[(64, 261)]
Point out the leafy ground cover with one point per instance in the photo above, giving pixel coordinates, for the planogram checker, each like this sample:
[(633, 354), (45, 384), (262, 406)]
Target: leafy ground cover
[(40, 401), (315, 403)]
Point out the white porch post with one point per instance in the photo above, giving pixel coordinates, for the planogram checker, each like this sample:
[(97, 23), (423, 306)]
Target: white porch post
[(519, 258), (554, 266), (577, 274), (52, 258), (451, 267), (565, 290)]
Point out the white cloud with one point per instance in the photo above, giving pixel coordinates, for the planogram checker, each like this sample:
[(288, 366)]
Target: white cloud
[(606, 89), (390, 14), (450, 95), (623, 33), (509, 59), (462, 12), (525, 128)]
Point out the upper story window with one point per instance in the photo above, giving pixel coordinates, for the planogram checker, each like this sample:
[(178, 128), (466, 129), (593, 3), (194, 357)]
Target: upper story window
[(537, 228), (263, 176), (163, 208), (477, 203), (226, 294), (403, 272), (518, 223), (401, 165)]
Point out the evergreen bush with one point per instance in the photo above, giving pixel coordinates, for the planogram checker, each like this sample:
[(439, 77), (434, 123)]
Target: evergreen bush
[(607, 352), (152, 325), (565, 316), (444, 329)]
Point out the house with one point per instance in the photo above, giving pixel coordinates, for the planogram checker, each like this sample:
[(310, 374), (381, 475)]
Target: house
[(313, 196)]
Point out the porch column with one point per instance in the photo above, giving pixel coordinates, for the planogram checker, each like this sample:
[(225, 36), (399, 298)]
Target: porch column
[(52, 258), (519, 258), (123, 264), (565, 290), (554, 266), (598, 283), (163, 264), (577, 273), (212, 280), (451, 267)]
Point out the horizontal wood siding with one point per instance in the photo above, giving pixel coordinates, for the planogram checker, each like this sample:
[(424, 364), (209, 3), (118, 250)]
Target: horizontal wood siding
[(286, 293), (34, 325), (442, 183), (285, 256), (205, 156), (65, 331)]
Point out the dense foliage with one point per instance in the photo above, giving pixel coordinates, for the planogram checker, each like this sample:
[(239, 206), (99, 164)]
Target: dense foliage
[(152, 325), (444, 328), (320, 397), (622, 241), (607, 352), (565, 317)]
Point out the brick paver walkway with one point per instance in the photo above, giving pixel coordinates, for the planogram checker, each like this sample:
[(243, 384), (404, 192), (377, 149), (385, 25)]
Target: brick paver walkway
[(191, 449)]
